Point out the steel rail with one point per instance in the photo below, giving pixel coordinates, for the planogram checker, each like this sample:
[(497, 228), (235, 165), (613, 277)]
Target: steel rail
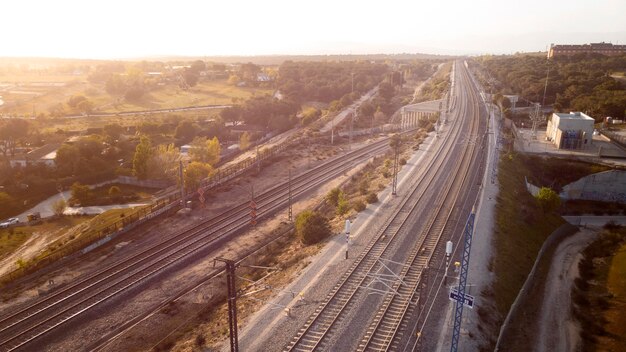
[(302, 341), (387, 321), (357, 155)]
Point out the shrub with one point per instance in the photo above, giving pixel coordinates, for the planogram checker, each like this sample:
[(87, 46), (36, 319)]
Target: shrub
[(333, 196), (371, 198), (58, 207), (114, 191), (548, 199), (312, 227), (359, 206), (342, 205), (402, 161), (363, 187), (200, 340)]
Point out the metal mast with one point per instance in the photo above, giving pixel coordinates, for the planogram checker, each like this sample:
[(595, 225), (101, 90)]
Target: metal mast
[(535, 117), (458, 313)]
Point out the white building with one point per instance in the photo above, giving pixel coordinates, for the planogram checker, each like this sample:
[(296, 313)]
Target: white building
[(570, 131), (44, 155)]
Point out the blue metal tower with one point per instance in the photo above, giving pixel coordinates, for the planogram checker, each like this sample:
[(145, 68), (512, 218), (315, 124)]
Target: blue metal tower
[(458, 314)]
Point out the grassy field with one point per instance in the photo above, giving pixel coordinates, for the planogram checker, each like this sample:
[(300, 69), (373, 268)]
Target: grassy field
[(44, 98), (615, 315), (521, 228)]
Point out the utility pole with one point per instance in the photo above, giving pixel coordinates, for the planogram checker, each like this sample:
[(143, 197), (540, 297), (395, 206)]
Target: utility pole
[(351, 126), (347, 231), (258, 159), (332, 131), (232, 302), (253, 207), (458, 312), (290, 206), (395, 144), (182, 183), (545, 87)]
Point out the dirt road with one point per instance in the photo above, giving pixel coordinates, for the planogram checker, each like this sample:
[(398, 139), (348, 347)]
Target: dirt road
[(558, 331)]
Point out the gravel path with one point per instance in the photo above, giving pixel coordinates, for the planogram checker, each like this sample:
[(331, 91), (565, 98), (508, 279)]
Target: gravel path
[(558, 331), (271, 328)]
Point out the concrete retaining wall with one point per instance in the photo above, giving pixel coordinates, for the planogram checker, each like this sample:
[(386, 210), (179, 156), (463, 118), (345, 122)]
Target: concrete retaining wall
[(607, 186)]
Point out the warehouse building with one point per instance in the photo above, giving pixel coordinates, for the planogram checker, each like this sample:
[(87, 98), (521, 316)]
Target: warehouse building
[(570, 131)]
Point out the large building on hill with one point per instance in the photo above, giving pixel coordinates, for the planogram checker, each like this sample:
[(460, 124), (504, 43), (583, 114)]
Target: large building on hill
[(603, 48)]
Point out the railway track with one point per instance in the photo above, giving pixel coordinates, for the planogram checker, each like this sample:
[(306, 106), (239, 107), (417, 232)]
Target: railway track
[(22, 326), (385, 330), (318, 328)]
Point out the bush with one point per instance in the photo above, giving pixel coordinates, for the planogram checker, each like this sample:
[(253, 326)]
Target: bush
[(312, 227), (333, 196), (342, 205), (402, 161), (114, 191), (548, 199), (200, 340), (58, 207), (363, 187), (371, 198), (359, 206)]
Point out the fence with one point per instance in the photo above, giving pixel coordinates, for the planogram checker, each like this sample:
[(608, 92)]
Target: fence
[(95, 238)]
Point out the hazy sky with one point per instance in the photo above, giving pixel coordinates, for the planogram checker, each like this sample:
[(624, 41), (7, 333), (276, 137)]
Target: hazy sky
[(132, 28)]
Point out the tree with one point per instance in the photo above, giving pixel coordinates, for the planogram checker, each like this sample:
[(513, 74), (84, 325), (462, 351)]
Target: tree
[(163, 165), (113, 131), (11, 131), (186, 130), (548, 199), (85, 106), (194, 173), (395, 141), (58, 207), (191, 77), (205, 150), (309, 115), (214, 151), (379, 116), (367, 109), (386, 91), (143, 153), (80, 193), (312, 227), (232, 114), (67, 159), (244, 141)]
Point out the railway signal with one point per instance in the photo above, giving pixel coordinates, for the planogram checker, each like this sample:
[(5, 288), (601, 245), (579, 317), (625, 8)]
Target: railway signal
[(290, 216)]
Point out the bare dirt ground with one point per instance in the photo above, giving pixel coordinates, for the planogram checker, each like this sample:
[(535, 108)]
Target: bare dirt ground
[(37, 242), (558, 330)]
